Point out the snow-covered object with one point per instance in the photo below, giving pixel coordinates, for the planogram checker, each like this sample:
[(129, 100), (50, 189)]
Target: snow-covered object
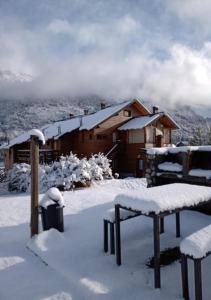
[(52, 196), (19, 177), (63, 173), (164, 198), (175, 150), (124, 214), (200, 173), (197, 244), (140, 122), (38, 134), (169, 166)]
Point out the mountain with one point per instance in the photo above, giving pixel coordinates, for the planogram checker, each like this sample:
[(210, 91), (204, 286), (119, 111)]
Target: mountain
[(19, 116), (8, 76)]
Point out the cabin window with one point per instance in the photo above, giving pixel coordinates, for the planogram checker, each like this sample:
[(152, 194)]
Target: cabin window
[(114, 137), (127, 113), (101, 136), (150, 134), (141, 164), (166, 136), (136, 136)]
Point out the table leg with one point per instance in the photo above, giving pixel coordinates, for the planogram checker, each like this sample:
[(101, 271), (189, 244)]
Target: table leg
[(177, 224), (162, 225), (184, 271), (156, 227), (105, 229), (198, 281), (118, 237)]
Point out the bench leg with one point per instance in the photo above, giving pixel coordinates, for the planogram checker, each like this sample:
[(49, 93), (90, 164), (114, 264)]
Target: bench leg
[(184, 271), (105, 225), (198, 281), (156, 225), (177, 224), (112, 239), (118, 237), (161, 225)]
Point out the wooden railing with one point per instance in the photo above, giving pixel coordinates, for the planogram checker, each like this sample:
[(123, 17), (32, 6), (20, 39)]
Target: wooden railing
[(46, 156)]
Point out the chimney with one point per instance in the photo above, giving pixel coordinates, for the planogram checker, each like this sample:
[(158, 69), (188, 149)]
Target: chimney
[(155, 109), (86, 111), (102, 105)]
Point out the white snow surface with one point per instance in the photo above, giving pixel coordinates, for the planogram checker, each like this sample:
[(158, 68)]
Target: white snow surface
[(200, 173), (169, 166), (174, 150), (164, 198), (197, 244), (52, 196), (72, 265), (140, 122)]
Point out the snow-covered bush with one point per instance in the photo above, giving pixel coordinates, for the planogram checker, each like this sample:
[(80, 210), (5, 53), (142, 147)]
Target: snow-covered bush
[(64, 173), (100, 166), (19, 177)]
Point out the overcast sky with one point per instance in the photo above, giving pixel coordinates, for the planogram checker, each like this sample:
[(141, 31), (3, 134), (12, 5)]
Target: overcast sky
[(157, 49)]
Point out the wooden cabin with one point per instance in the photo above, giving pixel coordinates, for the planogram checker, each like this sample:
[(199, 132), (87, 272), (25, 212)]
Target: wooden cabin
[(119, 131)]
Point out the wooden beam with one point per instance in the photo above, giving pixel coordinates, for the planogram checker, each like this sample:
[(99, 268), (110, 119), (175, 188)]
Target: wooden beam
[(34, 185)]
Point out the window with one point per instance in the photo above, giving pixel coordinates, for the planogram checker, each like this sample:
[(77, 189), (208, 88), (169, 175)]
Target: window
[(101, 136), (166, 136), (114, 137), (136, 136), (90, 136), (141, 164), (149, 134), (127, 113)]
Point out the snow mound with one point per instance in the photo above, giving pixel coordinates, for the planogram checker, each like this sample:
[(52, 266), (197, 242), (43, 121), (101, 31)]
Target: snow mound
[(38, 134), (169, 166), (45, 241), (52, 196), (197, 244)]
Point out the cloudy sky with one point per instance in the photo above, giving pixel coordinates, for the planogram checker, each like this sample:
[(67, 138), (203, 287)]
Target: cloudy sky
[(157, 49)]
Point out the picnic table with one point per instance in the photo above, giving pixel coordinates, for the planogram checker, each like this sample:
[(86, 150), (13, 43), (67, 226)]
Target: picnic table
[(157, 203)]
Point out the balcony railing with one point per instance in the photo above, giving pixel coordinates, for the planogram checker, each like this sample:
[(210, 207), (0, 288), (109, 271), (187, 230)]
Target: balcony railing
[(46, 156)]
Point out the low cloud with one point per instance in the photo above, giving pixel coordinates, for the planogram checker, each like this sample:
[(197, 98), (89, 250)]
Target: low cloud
[(125, 55)]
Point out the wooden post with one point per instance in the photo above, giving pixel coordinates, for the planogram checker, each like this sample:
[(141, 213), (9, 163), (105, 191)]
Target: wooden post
[(34, 184), (156, 227)]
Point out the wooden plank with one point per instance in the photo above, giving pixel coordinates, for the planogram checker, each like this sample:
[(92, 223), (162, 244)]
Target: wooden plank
[(34, 184)]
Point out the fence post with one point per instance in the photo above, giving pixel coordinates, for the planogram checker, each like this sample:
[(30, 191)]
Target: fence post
[(34, 158)]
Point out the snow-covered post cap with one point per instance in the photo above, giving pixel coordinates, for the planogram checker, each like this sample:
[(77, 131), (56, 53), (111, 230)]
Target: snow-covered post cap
[(38, 133), (52, 196)]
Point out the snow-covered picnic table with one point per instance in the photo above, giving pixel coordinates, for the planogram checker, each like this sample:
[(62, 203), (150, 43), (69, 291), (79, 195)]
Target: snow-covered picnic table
[(158, 202)]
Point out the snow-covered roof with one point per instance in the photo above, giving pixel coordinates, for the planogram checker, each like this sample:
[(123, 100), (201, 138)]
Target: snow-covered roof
[(85, 122), (91, 121), (139, 122), (59, 128), (143, 121)]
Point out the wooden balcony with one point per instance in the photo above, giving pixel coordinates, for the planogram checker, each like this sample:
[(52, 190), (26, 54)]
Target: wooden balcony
[(46, 156)]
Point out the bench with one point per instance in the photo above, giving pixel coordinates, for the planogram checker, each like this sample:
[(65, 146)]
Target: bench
[(109, 221), (196, 247)]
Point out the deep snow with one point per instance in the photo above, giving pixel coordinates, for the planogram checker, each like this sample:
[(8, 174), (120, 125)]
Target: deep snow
[(72, 265)]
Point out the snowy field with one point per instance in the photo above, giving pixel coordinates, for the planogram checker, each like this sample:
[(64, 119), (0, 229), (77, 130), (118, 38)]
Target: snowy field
[(73, 265)]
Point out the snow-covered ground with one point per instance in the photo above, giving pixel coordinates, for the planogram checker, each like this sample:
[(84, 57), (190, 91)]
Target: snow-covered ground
[(72, 265)]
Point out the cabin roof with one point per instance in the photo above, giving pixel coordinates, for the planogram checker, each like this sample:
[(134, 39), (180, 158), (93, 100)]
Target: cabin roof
[(143, 121), (82, 122)]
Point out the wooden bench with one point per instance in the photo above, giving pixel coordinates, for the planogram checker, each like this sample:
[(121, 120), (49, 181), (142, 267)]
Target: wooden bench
[(196, 247), (109, 222)]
